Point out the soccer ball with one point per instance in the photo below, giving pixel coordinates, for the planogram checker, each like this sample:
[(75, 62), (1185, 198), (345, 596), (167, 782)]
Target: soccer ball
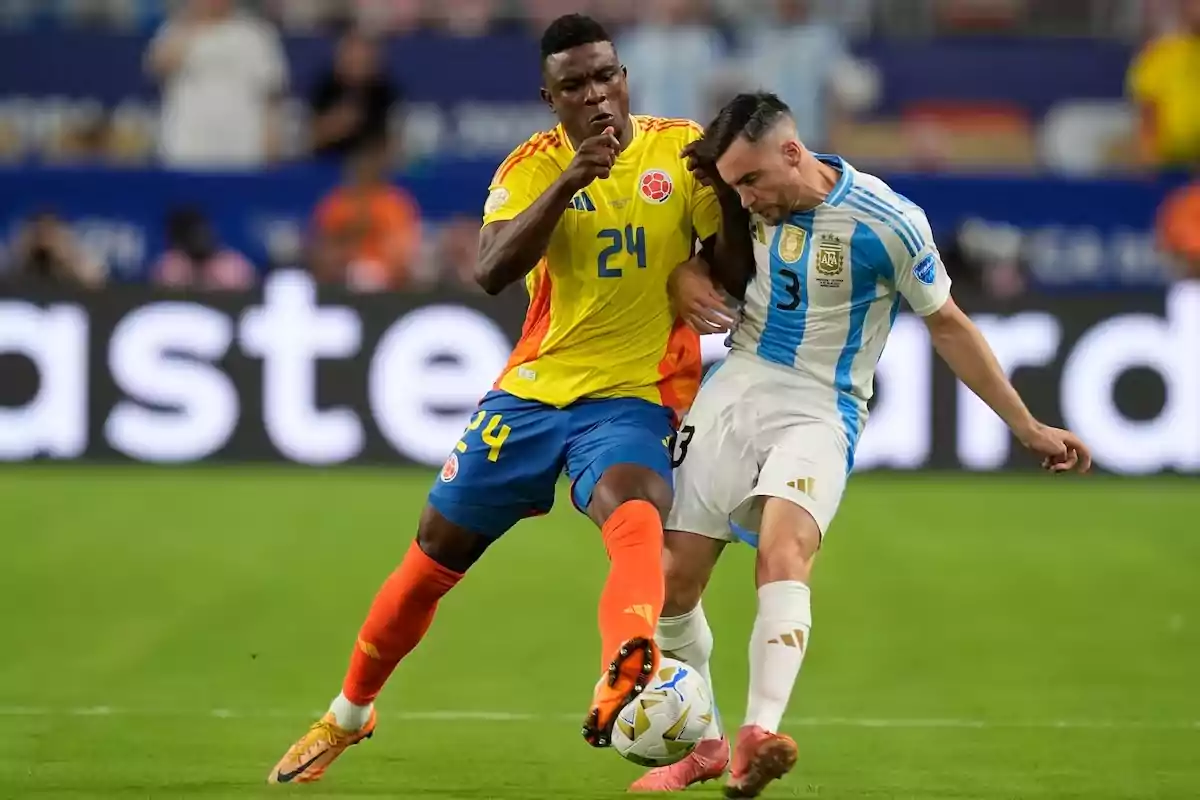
[(666, 721)]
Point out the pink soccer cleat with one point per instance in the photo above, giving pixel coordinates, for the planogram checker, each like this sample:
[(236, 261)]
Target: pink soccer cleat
[(707, 762), (759, 758)]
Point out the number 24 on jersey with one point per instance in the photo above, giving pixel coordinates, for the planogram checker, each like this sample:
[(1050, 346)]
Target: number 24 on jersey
[(631, 241)]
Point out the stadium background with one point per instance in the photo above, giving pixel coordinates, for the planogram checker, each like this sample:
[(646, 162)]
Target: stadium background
[(168, 630)]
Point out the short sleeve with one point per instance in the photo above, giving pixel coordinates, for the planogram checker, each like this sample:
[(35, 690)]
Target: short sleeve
[(519, 181), (920, 275)]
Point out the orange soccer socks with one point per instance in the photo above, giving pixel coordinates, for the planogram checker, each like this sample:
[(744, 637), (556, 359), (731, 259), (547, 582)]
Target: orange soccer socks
[(401, 613), (632, 598)]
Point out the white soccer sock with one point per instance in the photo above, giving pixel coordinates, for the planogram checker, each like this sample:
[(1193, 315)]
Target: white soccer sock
[(349, 716), (689, 639), (777, 645)]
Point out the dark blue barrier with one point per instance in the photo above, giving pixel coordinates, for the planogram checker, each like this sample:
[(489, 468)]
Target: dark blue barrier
[(432, 67), (503, 68), (1073, 233), (121, 214)]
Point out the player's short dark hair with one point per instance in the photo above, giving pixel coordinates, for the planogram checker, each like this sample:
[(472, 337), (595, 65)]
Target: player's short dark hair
[(749, 114), (571, 30)]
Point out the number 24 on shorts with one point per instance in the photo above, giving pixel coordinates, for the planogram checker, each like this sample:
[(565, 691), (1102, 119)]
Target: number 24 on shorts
[(494, 434)]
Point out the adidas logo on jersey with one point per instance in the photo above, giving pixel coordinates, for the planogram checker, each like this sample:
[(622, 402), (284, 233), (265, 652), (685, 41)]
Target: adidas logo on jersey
[(581, 202), (804, 485)]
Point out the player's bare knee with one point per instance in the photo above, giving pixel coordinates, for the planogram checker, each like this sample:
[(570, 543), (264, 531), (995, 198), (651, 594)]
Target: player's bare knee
[(683, 585), (688, 561), (622, 483), (450, 545), (683, 594), (788, 543)]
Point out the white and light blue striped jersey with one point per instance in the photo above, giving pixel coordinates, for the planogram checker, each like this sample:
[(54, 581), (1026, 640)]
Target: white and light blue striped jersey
[(828, 287)]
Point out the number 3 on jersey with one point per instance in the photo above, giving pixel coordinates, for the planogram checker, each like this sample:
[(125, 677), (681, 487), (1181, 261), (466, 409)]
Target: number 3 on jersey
[(633, 242), (792, 302), (494, 435)]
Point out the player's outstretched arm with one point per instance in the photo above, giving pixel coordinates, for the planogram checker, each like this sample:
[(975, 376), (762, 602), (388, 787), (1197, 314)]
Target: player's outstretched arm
[(509, 249), (968, 354)]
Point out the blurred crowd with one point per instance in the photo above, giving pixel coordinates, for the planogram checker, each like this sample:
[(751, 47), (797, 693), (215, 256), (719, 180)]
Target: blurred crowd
[(227, 101), (228, 98), (1119, 18)]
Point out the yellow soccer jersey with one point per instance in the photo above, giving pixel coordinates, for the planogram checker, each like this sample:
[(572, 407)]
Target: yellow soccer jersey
[(1165, 76), (600, 323)]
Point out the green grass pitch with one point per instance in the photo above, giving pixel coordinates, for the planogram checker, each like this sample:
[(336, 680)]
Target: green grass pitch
[(168, 633)]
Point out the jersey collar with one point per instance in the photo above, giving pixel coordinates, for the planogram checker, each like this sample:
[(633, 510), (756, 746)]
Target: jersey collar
[(845, 182)]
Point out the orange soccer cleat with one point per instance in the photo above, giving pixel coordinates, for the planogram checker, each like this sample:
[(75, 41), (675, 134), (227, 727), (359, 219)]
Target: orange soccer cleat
[(759, 758), (307, 760), (706, 763), (625, 679)]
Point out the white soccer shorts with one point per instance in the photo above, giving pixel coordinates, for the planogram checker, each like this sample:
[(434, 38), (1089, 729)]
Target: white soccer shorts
[(755, 431)]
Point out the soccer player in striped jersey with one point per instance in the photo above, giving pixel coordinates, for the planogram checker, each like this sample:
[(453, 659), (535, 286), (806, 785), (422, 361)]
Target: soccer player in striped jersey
[(766, 449), (595, 216)]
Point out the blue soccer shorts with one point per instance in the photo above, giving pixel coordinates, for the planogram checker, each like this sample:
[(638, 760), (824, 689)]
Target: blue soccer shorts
[(507, 464)]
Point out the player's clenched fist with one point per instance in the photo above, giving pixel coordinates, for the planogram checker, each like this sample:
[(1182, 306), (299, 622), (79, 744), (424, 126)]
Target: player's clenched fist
[(1061, 450), (594, 159)]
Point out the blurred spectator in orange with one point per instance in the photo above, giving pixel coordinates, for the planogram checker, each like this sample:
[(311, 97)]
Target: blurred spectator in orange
[(353, 101), (368, 232), (46, 252), (195, 258), (1164, 81), (223, 74), (1178, 229)]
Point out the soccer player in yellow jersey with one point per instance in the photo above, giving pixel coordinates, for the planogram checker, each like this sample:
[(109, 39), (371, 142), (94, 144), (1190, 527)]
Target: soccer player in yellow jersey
[(594, 215)]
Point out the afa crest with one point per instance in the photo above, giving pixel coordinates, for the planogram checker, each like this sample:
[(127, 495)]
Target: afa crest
[(791, 243), (831, 256)]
